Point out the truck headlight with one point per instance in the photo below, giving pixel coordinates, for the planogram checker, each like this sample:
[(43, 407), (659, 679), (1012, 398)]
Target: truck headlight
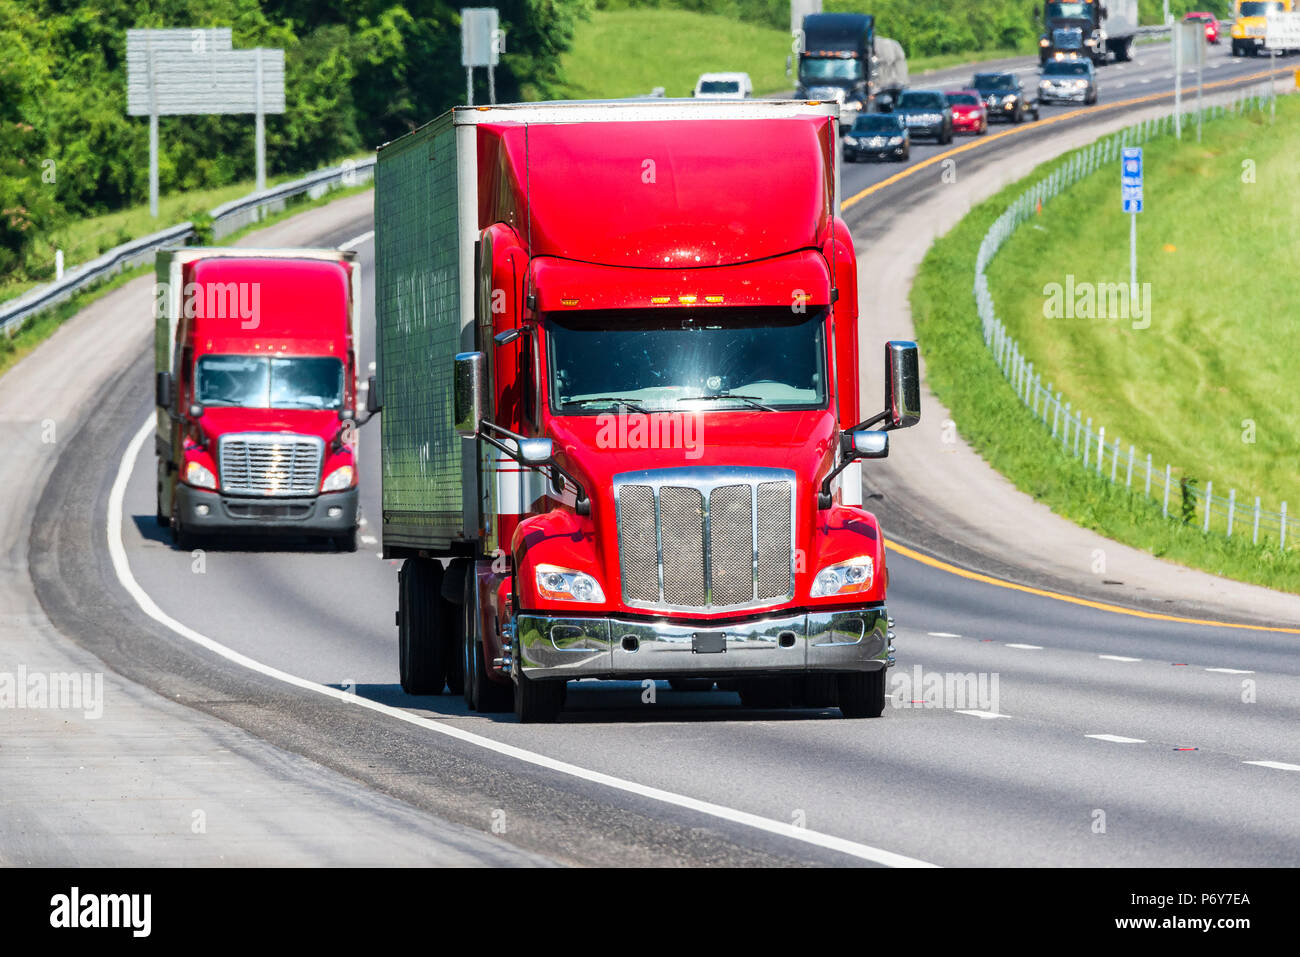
[(338, 480), (198, 476), (1044, 42), (844, 579), (564, 584)]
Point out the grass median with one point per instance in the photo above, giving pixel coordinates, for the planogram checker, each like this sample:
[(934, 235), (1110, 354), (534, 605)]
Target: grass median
[(1205, 387), (40, 327)]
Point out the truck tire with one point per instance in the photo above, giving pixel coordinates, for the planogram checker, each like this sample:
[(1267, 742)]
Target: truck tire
[(422, 619), (767, 693), (537, 702), (481, 692), (1125, 52), (816, 691), (163, 520), (861, 695)]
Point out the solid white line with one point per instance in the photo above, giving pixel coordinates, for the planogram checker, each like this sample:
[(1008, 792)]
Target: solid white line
[(1277, 765), (356, 241), (984, 714), (122, 567), (1230, 671), (942, 634), (1115, 739), (1026, 647), (1118, 658)]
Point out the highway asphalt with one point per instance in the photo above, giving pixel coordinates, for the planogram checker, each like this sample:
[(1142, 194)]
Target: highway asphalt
[(1102, 738)]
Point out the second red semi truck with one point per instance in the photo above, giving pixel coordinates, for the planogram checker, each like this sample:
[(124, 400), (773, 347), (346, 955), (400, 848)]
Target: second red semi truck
[(256, 372), (618, 363)]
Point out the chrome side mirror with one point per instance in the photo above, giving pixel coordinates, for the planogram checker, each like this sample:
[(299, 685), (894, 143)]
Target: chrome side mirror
[(870, 444), (468, 386), (902, 384), (162, 390), (535, 452)]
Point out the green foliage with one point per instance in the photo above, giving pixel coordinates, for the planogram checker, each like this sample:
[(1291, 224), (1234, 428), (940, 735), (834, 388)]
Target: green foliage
[(358, 73)]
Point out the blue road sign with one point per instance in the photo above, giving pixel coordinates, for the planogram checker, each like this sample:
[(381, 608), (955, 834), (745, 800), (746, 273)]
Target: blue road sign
[(1130, 183)]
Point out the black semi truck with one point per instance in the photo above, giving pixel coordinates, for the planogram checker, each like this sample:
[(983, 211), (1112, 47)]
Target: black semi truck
[(842, 59), (1088, 28)]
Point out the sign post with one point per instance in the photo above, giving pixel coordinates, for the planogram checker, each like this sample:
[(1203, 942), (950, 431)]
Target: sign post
[(482, 42), (1131, 197), (187, 72), (1281, 33), (1189, 48)]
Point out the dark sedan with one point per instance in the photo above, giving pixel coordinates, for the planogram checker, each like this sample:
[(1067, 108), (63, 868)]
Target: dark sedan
[(1005, 96), (925, 113), (877, 136)]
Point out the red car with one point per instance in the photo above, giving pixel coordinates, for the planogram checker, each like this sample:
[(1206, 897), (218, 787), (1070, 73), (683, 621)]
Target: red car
[(969, 114), (1211, 25)]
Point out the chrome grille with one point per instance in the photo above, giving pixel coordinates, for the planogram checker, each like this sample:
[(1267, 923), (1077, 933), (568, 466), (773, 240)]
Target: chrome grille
[(270, 463), (705, 538), (772, 553), (731, 545)]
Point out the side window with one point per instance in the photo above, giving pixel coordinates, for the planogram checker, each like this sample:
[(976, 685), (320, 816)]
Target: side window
[(527, 374)]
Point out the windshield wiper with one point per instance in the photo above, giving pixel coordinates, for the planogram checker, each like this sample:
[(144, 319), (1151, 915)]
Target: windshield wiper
[(623, 402), (749, 400)]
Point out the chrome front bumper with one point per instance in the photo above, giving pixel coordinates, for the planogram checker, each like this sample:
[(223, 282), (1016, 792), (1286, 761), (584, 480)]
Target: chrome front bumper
[(807, 642)]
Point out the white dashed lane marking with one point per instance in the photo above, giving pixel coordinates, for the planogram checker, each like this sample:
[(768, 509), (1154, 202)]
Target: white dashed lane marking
[(1115, 739)]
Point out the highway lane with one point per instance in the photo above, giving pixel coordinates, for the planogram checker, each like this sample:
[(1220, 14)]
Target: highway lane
[(1149, 73), (946, 787)]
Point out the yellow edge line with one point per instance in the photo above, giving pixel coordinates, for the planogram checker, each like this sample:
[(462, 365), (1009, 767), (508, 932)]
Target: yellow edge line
[(1039, 124), (1087, 603)]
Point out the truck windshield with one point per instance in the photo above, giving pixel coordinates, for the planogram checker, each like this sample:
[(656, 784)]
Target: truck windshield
[(921, 101), (267, 382), (878, 123), (1069, 11), (663, 359), (1260, 9), (830, 68)]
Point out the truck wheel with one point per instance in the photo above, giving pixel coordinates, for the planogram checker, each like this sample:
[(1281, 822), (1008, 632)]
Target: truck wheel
[(817, 691), (481, 692), (422, 619), (862, 695), (767, 693), (691, 684), (162, 520), (537, 702)]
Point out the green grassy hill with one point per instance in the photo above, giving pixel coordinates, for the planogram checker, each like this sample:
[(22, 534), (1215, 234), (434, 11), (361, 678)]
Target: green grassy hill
[(630, 52)]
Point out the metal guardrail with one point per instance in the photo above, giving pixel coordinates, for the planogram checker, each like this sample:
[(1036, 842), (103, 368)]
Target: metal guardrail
[(226, 219), (1169, 489)]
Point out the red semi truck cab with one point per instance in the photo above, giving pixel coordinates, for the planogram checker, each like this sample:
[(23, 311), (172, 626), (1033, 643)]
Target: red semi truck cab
[(621, 440), (255, 359)]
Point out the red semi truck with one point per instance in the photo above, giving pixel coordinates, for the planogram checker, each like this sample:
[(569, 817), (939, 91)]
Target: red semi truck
[(618, 363), (256, 370)]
